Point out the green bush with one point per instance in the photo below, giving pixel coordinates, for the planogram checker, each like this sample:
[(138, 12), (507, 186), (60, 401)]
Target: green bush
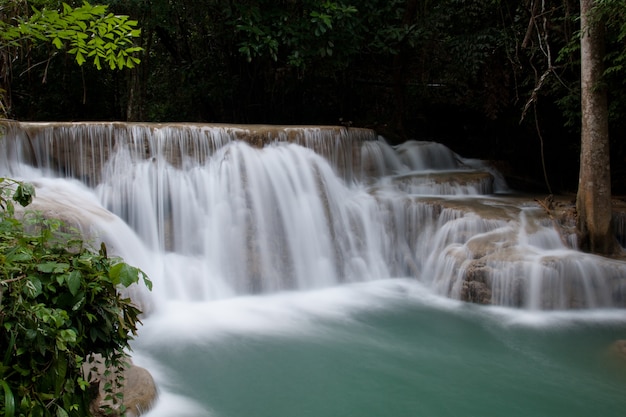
[(59, 303)]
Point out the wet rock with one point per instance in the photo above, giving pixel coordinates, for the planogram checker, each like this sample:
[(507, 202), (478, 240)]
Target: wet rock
[(476, 292), (139, 389), (496, 242)]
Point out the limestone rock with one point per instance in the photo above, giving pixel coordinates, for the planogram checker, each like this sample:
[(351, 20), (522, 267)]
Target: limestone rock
[(139, 389), (476, 292)]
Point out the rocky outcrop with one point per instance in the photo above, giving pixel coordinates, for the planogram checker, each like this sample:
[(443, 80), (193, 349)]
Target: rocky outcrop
[(139, 390), (476, 292), (514, 252)]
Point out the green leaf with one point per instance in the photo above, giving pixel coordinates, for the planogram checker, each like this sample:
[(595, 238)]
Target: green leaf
[(80, 59), (124, 274), (147, 282), (80, 302), (74, 281), (24, 194), (53, 267), (21, 371), (33, 287), (21, 256), (60, 371), (9, 400), (66, 336), (61, 412)]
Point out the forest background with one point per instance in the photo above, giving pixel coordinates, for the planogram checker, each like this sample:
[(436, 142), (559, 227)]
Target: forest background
[(492, 79)]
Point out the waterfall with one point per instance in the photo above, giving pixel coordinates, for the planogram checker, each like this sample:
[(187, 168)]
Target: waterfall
[(216, 211)]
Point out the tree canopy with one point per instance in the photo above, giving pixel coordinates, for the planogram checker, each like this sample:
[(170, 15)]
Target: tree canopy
[(89, 33)]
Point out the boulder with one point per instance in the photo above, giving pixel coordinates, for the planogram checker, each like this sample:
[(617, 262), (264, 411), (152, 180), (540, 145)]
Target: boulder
[(139, 389)]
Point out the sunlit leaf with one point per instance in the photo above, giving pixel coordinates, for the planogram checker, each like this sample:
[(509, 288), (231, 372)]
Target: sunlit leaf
[(124, 274)]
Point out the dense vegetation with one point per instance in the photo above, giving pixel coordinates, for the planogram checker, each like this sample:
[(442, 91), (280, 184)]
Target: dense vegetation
[(493, 79), (59, 304)]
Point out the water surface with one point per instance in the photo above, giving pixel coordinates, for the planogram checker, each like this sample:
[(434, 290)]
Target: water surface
[(386, 348)]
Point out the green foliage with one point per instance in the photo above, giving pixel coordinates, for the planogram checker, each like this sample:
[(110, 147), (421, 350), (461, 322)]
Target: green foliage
[(612, 14), (88, 32), (298, 32), (59, 305)]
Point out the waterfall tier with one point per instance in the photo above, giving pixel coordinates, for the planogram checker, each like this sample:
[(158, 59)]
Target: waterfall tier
[(213, 211)]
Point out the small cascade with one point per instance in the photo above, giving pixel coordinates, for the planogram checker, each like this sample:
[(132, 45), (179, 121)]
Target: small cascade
[(428, 168), (521, 262), (216, 211), (422, 156), (81, 150)]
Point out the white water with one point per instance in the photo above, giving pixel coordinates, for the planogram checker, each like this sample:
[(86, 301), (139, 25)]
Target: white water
[(213, 217), (322, 223)]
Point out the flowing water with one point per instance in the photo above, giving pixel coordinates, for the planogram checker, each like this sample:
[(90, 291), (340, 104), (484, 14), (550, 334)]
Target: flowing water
[(311, 271)]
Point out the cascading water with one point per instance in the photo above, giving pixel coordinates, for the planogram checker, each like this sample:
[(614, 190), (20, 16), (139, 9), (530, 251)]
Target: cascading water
[(276, 230)]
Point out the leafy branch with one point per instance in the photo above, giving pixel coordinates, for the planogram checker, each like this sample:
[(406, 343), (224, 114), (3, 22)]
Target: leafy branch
[(87, 32)]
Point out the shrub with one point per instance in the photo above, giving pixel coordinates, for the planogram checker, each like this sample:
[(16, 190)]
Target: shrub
[(59, 303)]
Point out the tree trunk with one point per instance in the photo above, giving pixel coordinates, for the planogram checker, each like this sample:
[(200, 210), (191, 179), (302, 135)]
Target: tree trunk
[(593, 202)]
